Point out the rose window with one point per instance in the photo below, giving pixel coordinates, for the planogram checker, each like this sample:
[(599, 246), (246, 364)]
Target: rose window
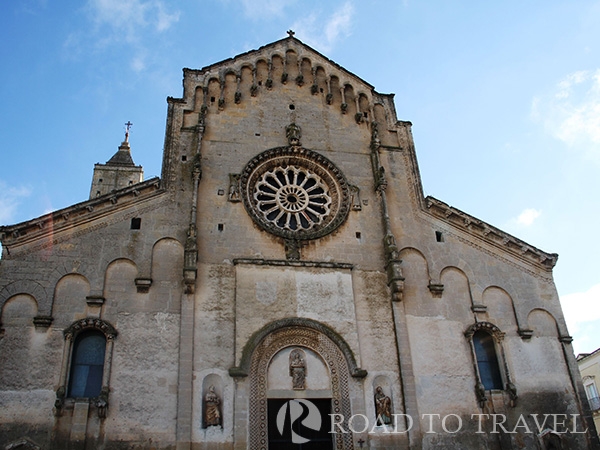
[(292, 198), (295, 193)]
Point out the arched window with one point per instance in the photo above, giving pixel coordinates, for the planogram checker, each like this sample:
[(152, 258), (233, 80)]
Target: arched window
[(87, 364), (487, 360), (85, 370)]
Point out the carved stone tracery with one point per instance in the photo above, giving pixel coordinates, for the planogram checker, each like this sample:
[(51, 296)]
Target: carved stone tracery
[(295, 193), (297, 336)]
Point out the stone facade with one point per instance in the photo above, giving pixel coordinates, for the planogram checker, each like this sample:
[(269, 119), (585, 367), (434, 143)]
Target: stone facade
[(589, 367), (287, 254)]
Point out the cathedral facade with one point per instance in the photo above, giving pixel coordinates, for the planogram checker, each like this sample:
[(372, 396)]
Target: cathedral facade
[(284, 284)]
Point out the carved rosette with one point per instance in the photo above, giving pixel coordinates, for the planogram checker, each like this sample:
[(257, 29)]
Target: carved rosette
[(295, 193)]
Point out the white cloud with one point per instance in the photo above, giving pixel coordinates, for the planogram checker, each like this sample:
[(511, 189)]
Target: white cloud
[(262, 9), (571, 111), (129, 15), (10, 198), (528, 216), (582, 314), (324, 34)]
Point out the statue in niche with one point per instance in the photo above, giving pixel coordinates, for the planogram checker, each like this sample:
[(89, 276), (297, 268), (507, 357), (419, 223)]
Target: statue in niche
[(383, 407), (293, 134), (298, 369), (212, 415), (234, 187)]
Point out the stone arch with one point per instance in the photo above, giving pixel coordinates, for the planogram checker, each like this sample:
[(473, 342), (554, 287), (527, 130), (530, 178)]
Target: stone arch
[(291, 62), (260, 335), (262, 71), (278, 67), (543, 323), (457, 293), (415, 270), (321, 80), (19, 310), (167, 257), (336, 94), (380, 115), (305, 70), (246, 79), (119, 278), (303, 333), (28, 287), (350, 99), (229, 86), (214, 92), (500, 306), (364, 106), (70, 295)]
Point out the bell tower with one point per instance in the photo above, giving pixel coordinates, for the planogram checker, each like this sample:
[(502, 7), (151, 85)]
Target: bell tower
[(119, 171)]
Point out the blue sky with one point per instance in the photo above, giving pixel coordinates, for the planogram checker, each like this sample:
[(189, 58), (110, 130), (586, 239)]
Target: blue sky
[(504, 98)]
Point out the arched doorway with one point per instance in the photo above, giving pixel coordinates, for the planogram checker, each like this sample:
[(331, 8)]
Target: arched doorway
[(326, 352)]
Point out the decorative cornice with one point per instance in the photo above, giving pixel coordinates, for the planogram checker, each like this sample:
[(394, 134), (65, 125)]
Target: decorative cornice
[(490, 234), (293, 263), (51, 224)]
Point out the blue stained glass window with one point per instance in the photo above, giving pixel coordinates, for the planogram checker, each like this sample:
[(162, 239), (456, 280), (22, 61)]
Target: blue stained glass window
[(87, 364), (487, 360)]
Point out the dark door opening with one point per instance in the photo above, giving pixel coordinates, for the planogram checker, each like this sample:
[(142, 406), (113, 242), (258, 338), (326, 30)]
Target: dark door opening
[(299, 424)]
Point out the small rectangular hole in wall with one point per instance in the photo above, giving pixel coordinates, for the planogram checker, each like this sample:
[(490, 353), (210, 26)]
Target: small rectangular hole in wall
[(260, 83), (358, 235), (256, 134), (439, 237), (220, 192), (220, 227), (365, 114), (212, 99), (321, 90), (183, 157), (136, 223)]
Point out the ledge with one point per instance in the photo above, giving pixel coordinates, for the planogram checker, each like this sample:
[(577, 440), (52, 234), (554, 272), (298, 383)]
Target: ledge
[(292, 263), (80, 212), (490, 234)]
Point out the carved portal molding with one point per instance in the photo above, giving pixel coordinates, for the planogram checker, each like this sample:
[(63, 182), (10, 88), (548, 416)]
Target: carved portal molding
[(255, 340), (298, 337), (295, 193)]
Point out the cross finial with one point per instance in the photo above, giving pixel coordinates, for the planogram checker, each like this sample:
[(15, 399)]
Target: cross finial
[(291, 33), (128, 125), (361, 442)]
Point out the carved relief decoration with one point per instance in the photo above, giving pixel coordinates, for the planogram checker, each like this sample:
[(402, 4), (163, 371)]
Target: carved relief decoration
[(296, 336), (295, 193)]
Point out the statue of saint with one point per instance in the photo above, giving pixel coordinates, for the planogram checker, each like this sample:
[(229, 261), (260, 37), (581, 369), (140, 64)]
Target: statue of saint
[(383, 407), (212, 415), (297, 369)]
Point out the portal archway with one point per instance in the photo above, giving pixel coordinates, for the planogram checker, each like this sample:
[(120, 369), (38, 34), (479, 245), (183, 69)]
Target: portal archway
[(302, 335)]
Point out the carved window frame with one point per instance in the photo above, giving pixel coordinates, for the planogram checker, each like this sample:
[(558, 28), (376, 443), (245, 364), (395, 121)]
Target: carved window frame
[(498, 338), (70, 334)]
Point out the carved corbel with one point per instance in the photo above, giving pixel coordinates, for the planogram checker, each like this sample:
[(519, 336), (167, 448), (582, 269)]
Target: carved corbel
[(42, 322), (436, 289)]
